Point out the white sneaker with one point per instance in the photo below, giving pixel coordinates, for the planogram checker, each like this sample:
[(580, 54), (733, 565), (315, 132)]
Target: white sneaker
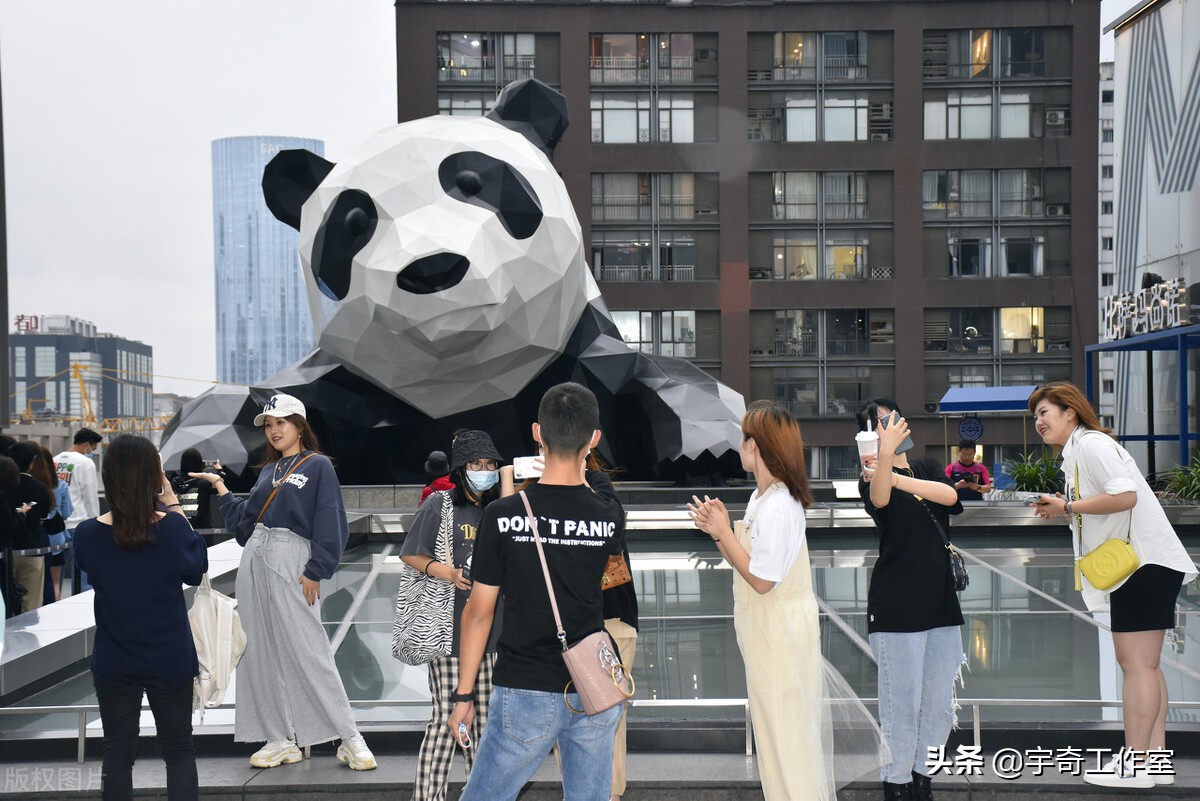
[(1162, 778), (275, 753), (1119, 773), (354, 752)]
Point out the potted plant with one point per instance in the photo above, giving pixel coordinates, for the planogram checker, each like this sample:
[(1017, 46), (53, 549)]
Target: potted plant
[(1035, 474), (1183, 482)]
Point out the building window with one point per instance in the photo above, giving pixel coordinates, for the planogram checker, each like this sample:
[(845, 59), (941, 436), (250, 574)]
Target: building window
[(1107, 386), (620, 118), (846, 254), (844, 195), (466, 57), (798, 388), (958, 54), (676, 117), (796, 333), (44, 362), (969, 251), (21, 400), (621, 196), (620, 58), (1106, 207), (963, 331), (795, 255), (795, 196), (1106, 243), (1106, 171), (1106, 279), (1022, 252), (1035, 112), (1022, 330), (666, 333), (465, 104), (957, 193), (18, 368), (1106, 96), (842, 56), (676, 52), (800, 117), (1106, 135), (845, 117), (629, 255), (958, 114)]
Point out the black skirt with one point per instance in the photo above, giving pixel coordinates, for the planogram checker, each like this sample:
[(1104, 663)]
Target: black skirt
[(1146, 602)]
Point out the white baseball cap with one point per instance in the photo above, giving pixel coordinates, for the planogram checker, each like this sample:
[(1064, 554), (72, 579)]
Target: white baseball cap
[(280, 406)]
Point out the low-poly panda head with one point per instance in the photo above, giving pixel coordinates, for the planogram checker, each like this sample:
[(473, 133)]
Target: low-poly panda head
[(443, 259)]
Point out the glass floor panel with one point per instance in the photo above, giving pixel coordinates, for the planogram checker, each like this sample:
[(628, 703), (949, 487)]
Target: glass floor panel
[(1026, 636)]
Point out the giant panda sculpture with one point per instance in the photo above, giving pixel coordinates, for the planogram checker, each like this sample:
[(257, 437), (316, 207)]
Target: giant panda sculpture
[(447, 282)]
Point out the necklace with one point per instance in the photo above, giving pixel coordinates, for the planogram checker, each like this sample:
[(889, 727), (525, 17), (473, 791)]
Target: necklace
[(277, 479)]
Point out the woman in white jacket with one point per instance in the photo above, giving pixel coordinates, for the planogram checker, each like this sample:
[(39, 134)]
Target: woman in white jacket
[(1106, 498)]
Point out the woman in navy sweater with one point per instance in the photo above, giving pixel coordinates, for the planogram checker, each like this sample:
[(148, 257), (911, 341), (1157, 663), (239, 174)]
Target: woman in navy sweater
[(137, 557), (293, 528)]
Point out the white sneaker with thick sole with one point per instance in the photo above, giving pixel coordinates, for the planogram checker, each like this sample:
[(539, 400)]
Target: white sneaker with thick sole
[(354, 752), (1163, 778), (275, 753), (1119, 773)]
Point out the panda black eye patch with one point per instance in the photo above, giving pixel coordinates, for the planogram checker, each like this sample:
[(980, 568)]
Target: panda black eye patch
[(347, 228), (489, 183)]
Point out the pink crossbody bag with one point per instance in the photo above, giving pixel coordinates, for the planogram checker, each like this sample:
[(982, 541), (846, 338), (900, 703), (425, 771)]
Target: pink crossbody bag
[(598, 676)]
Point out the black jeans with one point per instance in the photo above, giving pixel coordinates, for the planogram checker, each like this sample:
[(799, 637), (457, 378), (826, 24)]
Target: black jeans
[(120, 707)]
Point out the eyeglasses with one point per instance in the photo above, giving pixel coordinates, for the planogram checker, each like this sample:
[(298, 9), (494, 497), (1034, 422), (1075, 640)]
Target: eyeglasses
[(483, 464)]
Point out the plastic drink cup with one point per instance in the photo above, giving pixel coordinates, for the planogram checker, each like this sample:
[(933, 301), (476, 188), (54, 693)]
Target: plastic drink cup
[(868, 446)]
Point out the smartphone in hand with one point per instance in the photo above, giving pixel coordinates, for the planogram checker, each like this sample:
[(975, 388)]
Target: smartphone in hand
[(907, 444), (526, 467)]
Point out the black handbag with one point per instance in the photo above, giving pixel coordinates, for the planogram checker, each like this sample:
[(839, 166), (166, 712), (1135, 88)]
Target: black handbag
[(958, 568)]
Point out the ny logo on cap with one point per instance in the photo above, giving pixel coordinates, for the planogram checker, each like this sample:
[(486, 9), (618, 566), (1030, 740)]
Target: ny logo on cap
[(270, 404)]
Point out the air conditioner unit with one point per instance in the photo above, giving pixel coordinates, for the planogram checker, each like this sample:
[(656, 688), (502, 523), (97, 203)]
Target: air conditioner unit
[(706, 54), (931, 408), (1056, 117), (1057, 209)]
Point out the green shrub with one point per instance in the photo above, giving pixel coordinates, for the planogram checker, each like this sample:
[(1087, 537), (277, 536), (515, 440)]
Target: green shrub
[(1035, 473), (1184, 481)]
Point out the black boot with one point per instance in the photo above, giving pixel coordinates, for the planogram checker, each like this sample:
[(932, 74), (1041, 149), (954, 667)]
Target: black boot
[(922, 789), (897, 792)]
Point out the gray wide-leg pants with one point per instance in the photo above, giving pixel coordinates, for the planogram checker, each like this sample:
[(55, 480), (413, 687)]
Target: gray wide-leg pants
[(287, 683)]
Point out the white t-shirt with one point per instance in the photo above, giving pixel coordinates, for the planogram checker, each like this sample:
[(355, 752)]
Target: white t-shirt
[(78, 472), (1105, 467), (776, 534)]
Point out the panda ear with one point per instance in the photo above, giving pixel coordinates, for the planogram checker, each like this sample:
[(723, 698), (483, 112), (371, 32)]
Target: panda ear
[(289, 179), (534, 110)]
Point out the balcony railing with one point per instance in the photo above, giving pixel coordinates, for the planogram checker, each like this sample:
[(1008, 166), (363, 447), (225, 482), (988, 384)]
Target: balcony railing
[(620, 69), (803, 344), (677, 207), (620, 207), (645, 272), (845, 68), (677, 69), (467, 70), (518, 67)]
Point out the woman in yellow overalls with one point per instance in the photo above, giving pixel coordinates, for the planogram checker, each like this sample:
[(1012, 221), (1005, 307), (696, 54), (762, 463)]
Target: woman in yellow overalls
[(775, 613)]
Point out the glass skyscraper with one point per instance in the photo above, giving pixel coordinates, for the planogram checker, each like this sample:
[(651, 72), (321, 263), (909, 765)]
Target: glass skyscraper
[(263, 322)]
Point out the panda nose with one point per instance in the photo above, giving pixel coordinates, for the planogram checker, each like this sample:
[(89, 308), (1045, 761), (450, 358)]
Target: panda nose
[(433, 273)]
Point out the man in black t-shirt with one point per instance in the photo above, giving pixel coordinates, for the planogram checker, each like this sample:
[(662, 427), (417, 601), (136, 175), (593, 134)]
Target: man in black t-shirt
[(579, 529)]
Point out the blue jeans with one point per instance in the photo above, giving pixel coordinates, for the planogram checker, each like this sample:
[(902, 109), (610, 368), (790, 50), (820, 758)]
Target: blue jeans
[(522, 726), (120, 707), (917, 670)]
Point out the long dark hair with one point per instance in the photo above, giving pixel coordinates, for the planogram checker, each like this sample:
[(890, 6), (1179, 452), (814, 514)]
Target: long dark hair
[(308, 439), (43, 470), (777, 434), (133, 476), (10, 475)]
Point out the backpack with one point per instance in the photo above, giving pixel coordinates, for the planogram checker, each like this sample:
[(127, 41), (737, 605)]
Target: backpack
[(220, 641)]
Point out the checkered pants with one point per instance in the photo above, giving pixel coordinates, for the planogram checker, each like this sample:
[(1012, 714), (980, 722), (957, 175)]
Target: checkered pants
[(437, 749)]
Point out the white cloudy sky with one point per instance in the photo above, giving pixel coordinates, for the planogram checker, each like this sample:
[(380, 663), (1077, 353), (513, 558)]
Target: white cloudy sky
[(109, 110)]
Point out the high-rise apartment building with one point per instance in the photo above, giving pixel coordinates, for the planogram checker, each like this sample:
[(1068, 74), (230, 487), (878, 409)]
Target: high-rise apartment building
[(263, 321), (819, 203)]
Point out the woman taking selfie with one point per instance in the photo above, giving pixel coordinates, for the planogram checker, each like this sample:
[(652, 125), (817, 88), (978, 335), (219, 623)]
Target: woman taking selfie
[(775, 613), (293, 528), (913, 616), (1107, 498), (137, 556)]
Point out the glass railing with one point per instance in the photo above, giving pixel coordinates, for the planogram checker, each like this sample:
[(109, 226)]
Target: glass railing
[(1034, 654)]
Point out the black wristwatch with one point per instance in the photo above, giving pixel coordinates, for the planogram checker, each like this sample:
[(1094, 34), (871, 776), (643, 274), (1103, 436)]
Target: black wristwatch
[(458, 698)]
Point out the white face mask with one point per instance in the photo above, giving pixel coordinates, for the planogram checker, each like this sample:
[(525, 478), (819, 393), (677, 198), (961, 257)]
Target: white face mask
[(482, 480)]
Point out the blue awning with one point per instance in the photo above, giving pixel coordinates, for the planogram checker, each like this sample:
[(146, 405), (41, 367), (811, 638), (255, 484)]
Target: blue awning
[(986, 399)]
